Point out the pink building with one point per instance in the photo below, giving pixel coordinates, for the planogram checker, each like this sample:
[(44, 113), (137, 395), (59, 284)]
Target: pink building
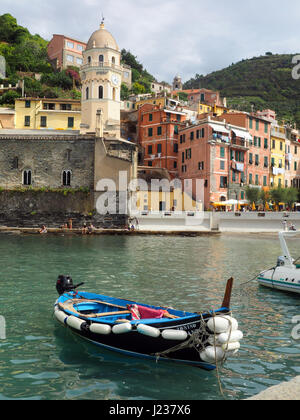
[(205, 96), (216, 153), (259, 156)]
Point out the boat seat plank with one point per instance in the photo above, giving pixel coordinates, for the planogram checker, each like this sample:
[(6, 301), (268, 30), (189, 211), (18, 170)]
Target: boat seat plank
[(107, 314)]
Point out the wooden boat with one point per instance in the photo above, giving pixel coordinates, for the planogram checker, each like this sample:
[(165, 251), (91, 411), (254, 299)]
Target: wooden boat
[(139, 330), (285, 275)]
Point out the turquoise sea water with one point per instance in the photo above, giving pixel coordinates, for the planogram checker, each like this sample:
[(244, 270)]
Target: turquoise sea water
[(39, 359)]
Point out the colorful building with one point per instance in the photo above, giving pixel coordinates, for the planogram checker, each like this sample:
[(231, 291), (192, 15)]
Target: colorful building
[(278, 165), (158, 193), (204, 96), (64, 51), (153, 100), (292, 158), (158, 128), (56, 114), (7, 118), (216, 153), (259, 157)]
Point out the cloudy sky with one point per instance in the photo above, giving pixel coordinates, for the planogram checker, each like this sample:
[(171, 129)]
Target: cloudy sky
[(172, 36)]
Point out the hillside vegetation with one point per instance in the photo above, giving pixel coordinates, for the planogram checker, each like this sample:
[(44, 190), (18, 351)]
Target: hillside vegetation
[(257, 83)]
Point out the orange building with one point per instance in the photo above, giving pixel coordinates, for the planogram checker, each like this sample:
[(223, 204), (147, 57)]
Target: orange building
[(64, 52), (158, 128)]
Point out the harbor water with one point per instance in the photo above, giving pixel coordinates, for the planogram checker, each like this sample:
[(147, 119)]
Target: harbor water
[(39, 359)]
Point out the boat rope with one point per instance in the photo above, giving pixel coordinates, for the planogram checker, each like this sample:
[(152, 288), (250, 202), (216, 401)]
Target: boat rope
[(198, 341), (255, 278)]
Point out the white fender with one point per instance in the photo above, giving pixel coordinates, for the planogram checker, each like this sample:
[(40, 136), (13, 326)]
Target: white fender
[(231, 346), (218, 324), (100, 329), (234, 325), (147, 330), (222, 324), (175, 335), (60, 316), (213, 339), (122, 328), (74, 322), (234, 336), (212, 354)]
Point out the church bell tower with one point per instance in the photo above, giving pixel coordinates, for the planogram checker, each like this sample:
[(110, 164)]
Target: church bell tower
[(101, 76)]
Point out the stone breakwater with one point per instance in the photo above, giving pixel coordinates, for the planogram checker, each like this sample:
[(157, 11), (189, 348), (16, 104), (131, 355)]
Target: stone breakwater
[(287, 391)]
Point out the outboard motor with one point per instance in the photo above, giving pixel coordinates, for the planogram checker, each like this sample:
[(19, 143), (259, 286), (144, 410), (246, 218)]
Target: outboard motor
[(65, 284), (280, 261)]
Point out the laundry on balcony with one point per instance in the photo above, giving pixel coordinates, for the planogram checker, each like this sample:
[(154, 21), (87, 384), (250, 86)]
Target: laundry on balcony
[(237, 166), (288, 157), (221, 137), (278, 171)]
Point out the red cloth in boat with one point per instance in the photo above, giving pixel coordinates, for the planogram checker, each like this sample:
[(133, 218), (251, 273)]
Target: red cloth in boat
[(142, 312)]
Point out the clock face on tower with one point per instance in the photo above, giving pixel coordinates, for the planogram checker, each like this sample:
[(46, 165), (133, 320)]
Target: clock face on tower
[(115, 79)]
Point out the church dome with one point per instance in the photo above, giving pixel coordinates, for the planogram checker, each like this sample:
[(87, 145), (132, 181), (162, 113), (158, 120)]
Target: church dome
[(102, 39)]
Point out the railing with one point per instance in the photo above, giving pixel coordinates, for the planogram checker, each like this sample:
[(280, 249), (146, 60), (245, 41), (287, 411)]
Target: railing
[(278, 133), (219, 138), (102, 64)]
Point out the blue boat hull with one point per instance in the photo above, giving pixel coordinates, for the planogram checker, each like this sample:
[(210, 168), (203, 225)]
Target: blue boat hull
[(79, 312)]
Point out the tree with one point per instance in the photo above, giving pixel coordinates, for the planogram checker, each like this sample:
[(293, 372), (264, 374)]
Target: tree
[(252, 195), (290, 196), (183, 96), (9, 97), (277, 195), (124, 92), (131, 60), (138, 89)]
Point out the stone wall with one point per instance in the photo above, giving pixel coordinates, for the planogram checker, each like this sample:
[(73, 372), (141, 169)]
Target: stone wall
[(47, 158), (53, 209)]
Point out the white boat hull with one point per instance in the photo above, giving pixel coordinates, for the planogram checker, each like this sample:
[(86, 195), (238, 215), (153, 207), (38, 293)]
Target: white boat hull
[(286, 279)]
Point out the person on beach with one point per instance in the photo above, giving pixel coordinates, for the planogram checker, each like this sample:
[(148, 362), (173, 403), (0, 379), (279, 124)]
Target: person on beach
[(43, 229), (84, 229), (91, 229)]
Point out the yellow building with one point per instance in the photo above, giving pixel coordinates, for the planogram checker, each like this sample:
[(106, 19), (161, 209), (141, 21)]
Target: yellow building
[(157, 192), (154, 100), (52, 114), (170, 201), (277, 176), (203, 108)]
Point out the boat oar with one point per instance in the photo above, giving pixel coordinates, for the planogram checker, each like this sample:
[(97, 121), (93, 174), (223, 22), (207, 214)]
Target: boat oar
[(227, 296)]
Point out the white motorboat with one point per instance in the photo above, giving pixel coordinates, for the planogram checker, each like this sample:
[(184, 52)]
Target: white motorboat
[(286, 274)]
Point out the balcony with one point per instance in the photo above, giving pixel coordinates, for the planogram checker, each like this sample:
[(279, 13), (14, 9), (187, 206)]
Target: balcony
[(278, 132), (239, 144), (219, 138), (102, 65)]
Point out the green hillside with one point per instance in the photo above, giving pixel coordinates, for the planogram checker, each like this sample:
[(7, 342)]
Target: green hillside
[(257, 83)]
